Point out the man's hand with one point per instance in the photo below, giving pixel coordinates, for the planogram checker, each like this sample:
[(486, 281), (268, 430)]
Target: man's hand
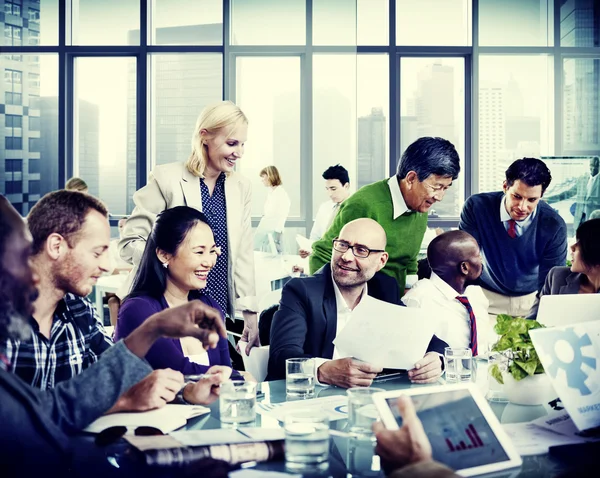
[(250, 333), (303, 253), (194, 319), (154, 391), (398, 448), (347, 373), (427, 370), (206, 390)]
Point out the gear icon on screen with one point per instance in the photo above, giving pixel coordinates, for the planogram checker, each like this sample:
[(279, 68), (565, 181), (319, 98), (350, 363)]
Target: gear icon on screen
[(566, 352)]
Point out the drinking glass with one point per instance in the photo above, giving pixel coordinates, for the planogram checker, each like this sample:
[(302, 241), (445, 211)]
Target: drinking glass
[(307, 442), (300, 377), (459, 364), (362, 412), (237, 402), (495, 391)]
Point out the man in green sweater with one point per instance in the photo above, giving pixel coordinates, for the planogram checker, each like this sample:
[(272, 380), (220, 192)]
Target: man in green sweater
[(400, 204)]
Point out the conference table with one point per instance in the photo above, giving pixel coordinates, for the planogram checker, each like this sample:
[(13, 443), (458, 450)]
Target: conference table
[(341, 447)]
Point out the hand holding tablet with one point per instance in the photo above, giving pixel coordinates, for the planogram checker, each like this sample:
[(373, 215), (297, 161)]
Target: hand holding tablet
[(454, 420)]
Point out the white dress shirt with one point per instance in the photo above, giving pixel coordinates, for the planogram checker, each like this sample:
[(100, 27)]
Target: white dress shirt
[(277, 209), (453, 322), (344, 314), (521, 226), (325, 216), (398, 201)]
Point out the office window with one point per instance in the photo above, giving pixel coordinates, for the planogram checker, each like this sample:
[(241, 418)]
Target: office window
[(334, 22), (515, 113), (13, 35), (34, 38), (12, 8), (580, 23), (33, 80), (268, 22), (11, 142), (334, 118), (105, 127), (12, 166), (34, 166), (182, 85), (34, 16), (433, 22), (268, 91), (13, 80), (184, 22), (581, 104), (13, 121), (373, 119), (531, 22), (13, 98), (92, 18), (432, 103), (34, 123), (13, 187), (372, 22), (34, 145), (35, 187)]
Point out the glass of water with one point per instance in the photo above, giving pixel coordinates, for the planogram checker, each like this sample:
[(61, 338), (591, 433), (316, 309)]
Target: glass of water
[(495, 391), (307, 442), (237, 402), (459, 364), (300, 377), (362, 412)]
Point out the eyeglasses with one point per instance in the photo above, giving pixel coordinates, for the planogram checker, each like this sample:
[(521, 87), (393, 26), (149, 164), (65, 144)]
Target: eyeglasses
[(436, 189), (112, 434), (358, 250)]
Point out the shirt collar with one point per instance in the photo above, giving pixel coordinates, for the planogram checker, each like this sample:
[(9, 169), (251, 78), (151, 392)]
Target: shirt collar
[(505, 216), (400, 206), (339, 299), (443, 286)]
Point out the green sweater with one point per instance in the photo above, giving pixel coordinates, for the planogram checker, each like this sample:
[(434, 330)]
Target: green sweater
[(404, 234)]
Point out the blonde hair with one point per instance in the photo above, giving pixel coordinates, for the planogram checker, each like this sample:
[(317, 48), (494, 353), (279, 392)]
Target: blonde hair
[(213, 119), (272, 175), (76, 184)]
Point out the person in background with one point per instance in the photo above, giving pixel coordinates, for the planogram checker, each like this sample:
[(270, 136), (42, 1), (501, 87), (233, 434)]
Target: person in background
[(521, 238), (583, 277), (313, 310), (460, 309), (207, 181), (400, 204), (40, 427), (276, 211), (174, 269), (70, 234), (76, 184), (588, 193)]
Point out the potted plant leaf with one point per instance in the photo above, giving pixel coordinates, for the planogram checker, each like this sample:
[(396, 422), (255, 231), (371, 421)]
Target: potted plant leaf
[(525, 381)]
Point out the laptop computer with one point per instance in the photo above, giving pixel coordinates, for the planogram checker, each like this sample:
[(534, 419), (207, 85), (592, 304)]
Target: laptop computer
[(567, 309)]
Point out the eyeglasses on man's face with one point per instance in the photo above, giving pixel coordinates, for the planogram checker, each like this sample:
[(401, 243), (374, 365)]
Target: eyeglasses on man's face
[(359, 251), (436, 189)]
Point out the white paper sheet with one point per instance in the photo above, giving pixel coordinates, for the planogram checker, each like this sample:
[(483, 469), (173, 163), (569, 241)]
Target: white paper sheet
[(529, 439), (559, 421), (166, 419), (227, 435), (336, 407), (257, 362), (385, 334), (304, 242)]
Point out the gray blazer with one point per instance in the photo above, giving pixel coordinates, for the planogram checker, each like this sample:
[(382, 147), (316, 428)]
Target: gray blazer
[(560, 280)]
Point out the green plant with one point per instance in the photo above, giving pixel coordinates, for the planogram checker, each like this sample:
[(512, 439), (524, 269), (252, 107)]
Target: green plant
[(515, 339)]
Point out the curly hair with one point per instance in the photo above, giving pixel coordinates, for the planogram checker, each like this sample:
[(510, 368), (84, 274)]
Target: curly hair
[(62, 212)]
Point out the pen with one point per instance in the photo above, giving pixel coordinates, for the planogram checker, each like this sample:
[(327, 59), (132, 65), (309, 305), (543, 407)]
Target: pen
[(198, 377)]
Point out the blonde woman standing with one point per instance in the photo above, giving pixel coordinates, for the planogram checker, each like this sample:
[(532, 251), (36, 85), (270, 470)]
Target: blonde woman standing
[(206, 181)]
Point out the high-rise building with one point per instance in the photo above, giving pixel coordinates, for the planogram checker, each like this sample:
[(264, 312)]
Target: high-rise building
[(372, 137), (492, 137), (20, 133)]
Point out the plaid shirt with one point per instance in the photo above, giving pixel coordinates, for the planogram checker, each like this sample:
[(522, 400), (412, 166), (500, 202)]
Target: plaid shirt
[(77, 338)]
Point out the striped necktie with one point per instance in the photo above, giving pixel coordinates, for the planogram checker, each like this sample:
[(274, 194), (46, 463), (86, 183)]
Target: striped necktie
[(473, 323)]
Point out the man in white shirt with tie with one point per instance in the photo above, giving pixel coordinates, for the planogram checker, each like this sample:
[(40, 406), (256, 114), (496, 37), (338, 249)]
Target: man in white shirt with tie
[(337, 185), (460, 309)]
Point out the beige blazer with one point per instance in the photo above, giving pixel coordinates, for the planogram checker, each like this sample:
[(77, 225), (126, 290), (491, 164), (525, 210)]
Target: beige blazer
[(171, 185)]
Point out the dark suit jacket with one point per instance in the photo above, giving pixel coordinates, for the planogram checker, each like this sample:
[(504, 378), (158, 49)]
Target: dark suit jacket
[(305, 324), (560, 280)]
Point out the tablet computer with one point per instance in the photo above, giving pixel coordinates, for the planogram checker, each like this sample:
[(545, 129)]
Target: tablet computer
[(462, 428)]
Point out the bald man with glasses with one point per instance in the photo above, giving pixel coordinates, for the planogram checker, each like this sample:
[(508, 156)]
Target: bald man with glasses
[(313, 311)]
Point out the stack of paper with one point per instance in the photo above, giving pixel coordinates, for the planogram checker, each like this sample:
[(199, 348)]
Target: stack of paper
[(336, 407)]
